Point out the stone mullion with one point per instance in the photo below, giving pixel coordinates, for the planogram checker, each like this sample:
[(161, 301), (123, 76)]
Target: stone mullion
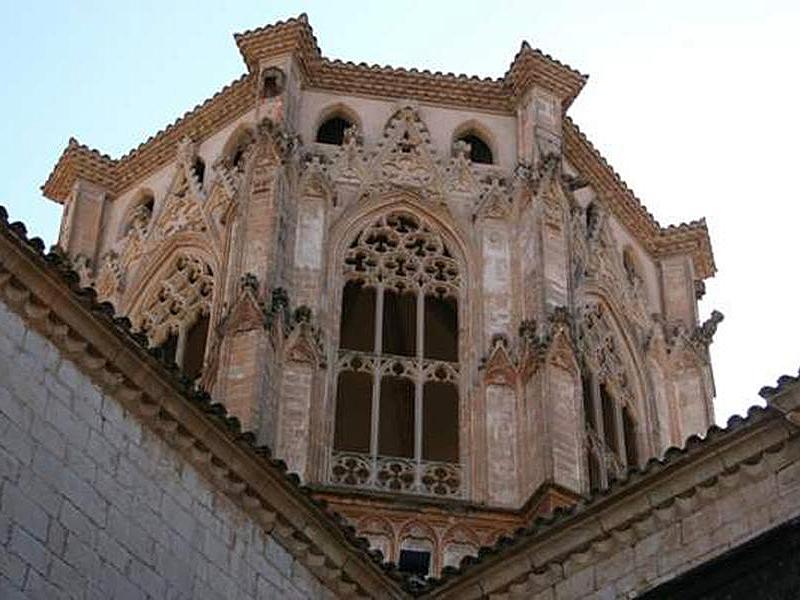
[(376, 375), (181, 344), (418, 383), (622, 454), (597, 407)]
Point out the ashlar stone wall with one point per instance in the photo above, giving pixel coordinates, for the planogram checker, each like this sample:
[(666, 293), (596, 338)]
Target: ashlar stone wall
[(94, 505), (658, 534)]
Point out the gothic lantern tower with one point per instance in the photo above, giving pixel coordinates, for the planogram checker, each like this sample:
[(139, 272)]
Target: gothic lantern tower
[(429, 294)]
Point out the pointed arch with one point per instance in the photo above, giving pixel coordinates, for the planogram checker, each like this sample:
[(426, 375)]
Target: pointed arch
[(381, 535), (621, 328), (336, 111), (618, 413), (472, 130), (458, 542), (235, 149), (394, 379), (139, 212), (153, 269), (174, 308)]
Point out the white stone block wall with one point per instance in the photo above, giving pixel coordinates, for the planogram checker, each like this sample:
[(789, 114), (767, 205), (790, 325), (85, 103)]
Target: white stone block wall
[(94, 505), (684, 536)]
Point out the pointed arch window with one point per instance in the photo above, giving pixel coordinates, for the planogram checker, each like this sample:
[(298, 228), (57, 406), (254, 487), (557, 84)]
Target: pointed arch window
[(611, 440), (176, 316), (397, 395), (611, 443)]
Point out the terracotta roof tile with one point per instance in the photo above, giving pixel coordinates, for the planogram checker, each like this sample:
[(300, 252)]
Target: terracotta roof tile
[(57, 263)]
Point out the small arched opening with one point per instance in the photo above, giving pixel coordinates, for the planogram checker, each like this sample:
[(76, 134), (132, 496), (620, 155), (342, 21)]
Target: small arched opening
[(332, 130), (199, 169), (140, 213), (479, 150)]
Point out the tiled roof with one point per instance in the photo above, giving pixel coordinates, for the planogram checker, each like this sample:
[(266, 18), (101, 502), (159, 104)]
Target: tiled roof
[(561, 517), (54, 263), (691, 238)]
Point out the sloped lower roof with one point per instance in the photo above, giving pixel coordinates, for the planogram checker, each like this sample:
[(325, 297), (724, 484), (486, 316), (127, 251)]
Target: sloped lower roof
[(44, 291)]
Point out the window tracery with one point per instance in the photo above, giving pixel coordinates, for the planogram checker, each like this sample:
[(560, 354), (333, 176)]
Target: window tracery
[(397, 400), (176, 316), (610, 429)]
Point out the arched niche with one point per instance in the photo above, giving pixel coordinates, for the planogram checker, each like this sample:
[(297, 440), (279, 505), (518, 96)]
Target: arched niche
[(138, 214), (486, 150), (332, 123), (458, 542), (234, 152)]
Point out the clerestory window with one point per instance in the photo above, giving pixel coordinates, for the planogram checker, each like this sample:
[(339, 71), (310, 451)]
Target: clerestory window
[(397, 397), (611, 434), (176, 317)]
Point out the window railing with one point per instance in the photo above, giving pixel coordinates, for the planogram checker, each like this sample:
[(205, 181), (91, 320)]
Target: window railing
[(402, 475)]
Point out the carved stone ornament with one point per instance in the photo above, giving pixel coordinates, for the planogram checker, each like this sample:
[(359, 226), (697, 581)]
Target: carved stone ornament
[(110, 276), (406, 157), (495, 202), (247, 314), (185, 292), (403, 252), (599, 346)]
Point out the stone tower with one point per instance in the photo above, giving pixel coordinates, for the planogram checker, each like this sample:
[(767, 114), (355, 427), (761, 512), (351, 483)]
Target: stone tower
[(429, 294)]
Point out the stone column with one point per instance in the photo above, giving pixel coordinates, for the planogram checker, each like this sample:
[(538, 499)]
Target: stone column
[(81, 233), (677, 289)]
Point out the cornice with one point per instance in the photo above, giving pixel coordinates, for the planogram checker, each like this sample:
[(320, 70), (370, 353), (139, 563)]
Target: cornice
[(295, 37), (687, 238), (117, 175), (43, 290)]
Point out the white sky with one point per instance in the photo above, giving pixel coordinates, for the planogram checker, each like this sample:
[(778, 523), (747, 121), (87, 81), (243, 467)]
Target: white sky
[(695, 104)]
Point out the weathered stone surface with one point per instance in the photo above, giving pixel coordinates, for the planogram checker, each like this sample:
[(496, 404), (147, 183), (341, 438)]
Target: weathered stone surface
[(118, 515)]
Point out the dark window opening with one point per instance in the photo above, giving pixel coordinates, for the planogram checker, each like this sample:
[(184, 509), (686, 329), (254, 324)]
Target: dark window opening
[(399, 323), (414, 562), (441, 328), (238, 156), (440, 422), (199, 168), (592, 218), (588, 405), (629, 428), (479, 151), (149, 203), (272, 83), (396, 427), (595, 475), (609, 419), (353, 412), (332, 131), (195, 348), (357, 326), (169, 348)]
